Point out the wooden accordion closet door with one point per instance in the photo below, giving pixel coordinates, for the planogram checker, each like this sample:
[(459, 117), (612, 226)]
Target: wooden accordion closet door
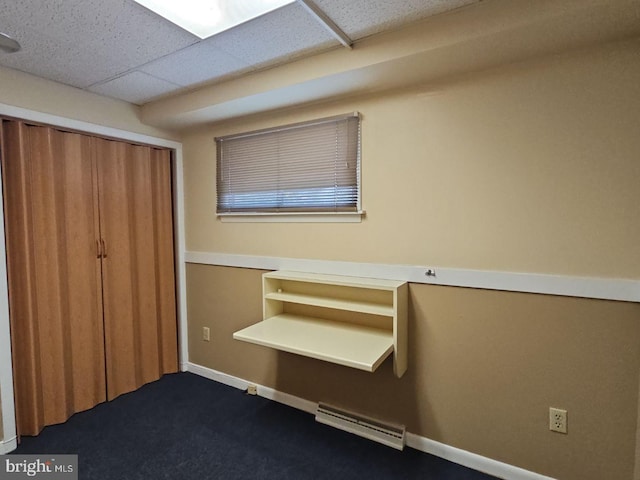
[(90, 262), (138, 267), (55, 297)]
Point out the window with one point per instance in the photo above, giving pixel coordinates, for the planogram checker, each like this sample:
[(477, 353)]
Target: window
[(306, 168)]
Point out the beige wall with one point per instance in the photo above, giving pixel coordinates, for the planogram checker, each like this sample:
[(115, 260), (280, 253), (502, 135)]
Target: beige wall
[(27, 91), (484, 368), (529, 167)]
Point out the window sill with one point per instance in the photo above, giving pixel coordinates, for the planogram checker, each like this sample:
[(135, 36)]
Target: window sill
[(289, 217)]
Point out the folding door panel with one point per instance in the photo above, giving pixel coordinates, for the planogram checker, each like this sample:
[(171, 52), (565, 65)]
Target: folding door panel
[(53, 267), (165, 255), (140, 321)]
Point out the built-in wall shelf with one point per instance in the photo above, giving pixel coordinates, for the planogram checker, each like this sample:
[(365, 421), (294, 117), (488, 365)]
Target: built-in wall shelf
[(352, 321)]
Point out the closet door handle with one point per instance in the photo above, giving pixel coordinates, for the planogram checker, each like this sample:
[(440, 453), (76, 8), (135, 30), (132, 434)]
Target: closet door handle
[(98, 249), (104, 248)]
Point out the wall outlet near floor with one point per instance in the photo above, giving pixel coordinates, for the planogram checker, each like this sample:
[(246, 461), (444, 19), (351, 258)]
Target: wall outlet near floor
[(206, 334), (557, 420), (252, 390)]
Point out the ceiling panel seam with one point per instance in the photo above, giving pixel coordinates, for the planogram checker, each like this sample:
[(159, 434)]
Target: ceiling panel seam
[(326, 21)]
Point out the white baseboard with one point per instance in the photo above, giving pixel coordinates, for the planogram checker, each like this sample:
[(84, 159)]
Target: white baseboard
[(471, 460), (9, 445), (289, 400), (452, 454), (220, 377), (266, 392)]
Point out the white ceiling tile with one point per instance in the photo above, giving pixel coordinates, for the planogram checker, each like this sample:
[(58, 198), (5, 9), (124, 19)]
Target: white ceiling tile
[(196, 64), (82, 42), (280, 35), (121, 49), (135, 87), (66, 63), (56, 15), (90, 23), (137, 35), (361, 18)]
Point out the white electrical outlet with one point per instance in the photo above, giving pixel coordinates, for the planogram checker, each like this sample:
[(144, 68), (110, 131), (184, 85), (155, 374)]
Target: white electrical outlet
[(206, 334), (252, 390), (557, 420)]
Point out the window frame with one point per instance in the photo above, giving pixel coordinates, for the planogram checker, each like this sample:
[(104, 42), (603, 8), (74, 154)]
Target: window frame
[(311, 215)]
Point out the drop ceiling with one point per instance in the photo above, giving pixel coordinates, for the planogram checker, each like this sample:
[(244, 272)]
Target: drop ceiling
[(119, 49)]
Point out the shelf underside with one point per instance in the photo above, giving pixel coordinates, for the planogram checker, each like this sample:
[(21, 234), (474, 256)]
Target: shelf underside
[(346, 344)]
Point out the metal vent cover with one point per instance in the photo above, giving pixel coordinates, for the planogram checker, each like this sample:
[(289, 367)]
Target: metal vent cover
[(387, 434)]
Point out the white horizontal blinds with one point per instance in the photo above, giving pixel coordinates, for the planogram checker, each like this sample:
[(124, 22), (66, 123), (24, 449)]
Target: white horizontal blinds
[(310, 167)]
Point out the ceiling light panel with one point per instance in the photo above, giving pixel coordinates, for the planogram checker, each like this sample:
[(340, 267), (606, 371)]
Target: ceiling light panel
[(205, 18)]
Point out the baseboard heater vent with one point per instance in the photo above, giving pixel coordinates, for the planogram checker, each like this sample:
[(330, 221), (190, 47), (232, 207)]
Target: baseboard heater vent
[(390, 435)]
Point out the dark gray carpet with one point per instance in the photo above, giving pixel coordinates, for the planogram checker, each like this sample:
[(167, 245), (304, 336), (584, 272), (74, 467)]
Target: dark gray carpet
[(187, 427)]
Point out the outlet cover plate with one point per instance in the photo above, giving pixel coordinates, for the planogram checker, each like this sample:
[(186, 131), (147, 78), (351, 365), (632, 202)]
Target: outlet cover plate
[(557, 420)]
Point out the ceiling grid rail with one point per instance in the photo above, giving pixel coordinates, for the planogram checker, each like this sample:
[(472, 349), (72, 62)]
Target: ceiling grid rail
[(326, 22)]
